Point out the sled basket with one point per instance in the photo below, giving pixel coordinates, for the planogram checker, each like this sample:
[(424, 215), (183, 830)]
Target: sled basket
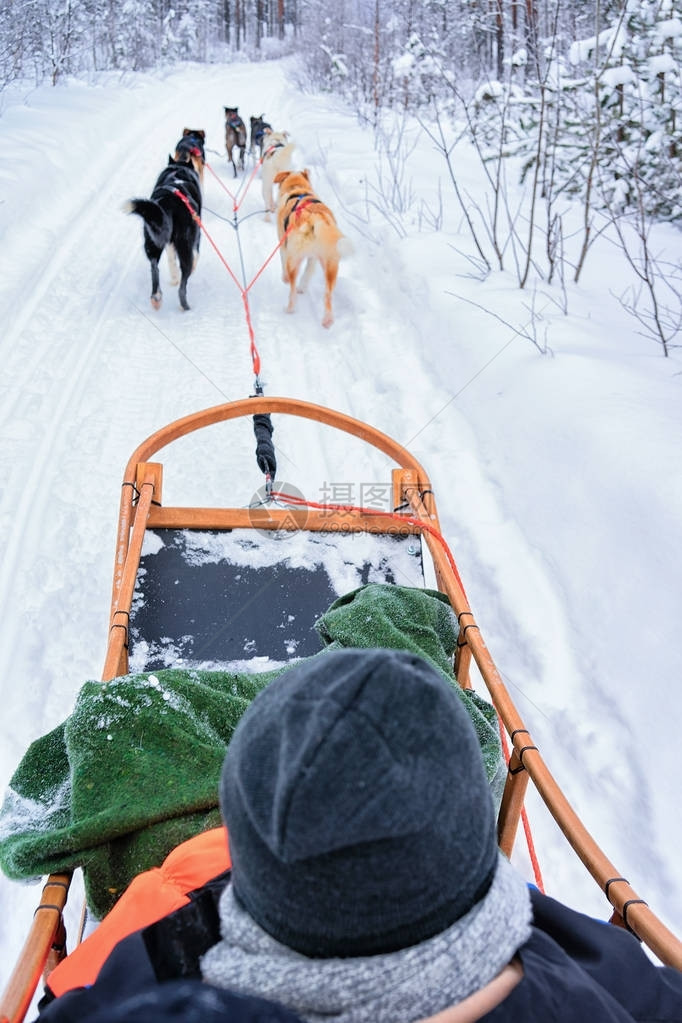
[(197, 586)]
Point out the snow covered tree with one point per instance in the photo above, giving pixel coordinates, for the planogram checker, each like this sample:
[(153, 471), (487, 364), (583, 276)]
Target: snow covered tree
[(642, 91)]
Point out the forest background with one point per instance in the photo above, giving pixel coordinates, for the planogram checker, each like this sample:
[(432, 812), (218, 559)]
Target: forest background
[(580, 101)]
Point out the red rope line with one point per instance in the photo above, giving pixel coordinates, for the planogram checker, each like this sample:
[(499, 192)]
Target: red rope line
[(274, 252), (296, 213), (253, 174), (411, 520), (420, 524), (237, 200), (291, 499), (255, 357), (222, 184), (537, 873)]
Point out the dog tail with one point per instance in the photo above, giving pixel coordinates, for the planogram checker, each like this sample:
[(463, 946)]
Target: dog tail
[(345, 247), (155, 217)]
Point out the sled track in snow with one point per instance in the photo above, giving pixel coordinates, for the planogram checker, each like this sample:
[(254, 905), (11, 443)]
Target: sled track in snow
[(46, 353)]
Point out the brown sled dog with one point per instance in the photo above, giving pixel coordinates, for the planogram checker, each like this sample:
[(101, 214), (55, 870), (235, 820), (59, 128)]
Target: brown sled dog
[(308, 231), (235, 137)]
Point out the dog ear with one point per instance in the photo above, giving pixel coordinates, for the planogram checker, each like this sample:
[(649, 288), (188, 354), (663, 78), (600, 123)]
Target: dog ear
[(281, 176), (187, 131), (306, 174)]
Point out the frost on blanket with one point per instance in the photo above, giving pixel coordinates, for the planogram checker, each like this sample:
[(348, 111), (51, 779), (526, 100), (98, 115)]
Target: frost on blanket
[(134, 770)]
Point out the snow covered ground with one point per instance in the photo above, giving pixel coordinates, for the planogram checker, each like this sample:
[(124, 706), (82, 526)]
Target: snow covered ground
[(557, 476)]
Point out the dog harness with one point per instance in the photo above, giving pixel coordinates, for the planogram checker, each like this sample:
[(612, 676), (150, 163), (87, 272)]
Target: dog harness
[(177, 187), (261, 131), (299, 199), (190, 140), (191, 148), (271, 149)]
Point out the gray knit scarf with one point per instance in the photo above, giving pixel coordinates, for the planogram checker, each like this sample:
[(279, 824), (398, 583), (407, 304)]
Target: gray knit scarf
[(395, 987)]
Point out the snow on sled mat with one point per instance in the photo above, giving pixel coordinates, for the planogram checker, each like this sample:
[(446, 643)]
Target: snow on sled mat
[(207, 598)]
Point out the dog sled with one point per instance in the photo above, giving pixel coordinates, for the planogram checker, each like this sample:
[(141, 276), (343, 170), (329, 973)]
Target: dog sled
[(200, 587)]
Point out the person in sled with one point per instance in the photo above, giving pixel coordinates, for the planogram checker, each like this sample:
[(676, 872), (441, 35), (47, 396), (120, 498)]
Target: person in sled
[(366, 884)]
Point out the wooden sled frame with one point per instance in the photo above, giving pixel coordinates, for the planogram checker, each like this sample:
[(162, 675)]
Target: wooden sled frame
[(141, 508)]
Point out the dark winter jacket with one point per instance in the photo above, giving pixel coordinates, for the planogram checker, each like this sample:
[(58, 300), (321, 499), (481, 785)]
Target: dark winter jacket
[(580, 970), (187, 1001), (576, 969)]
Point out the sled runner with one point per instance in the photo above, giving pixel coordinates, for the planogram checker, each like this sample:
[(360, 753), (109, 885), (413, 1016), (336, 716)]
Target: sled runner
[(197, 589)]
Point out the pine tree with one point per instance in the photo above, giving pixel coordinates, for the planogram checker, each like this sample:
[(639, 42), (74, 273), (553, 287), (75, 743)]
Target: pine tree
[(642, 93)]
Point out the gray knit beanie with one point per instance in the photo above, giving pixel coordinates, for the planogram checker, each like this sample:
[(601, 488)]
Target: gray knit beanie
[(358, 811)]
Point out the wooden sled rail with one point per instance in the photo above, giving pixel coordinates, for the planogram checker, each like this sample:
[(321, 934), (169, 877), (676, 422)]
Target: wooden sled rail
[(141, 508), (47, 922), (630, 909), (413, 482)]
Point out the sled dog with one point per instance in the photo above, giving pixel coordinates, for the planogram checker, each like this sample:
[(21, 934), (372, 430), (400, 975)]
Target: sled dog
[(169, 224), (190, 149), (308, 231), (260, 129), (276, 158), (235, 136)]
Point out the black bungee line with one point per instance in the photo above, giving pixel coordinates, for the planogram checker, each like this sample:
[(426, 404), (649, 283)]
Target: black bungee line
[(262, 423)]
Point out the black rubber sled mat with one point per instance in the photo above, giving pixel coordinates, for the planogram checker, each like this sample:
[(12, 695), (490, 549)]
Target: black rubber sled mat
[(250, 599)]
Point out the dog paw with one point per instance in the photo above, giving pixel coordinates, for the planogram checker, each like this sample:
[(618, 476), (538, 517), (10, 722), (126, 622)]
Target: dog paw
[(328, 320), (156, 300)]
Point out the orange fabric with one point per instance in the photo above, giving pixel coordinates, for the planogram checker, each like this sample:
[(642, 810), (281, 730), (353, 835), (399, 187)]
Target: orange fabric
[(149, 897)]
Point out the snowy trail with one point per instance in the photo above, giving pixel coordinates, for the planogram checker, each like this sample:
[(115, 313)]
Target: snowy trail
[(93, 370), (89, 371)]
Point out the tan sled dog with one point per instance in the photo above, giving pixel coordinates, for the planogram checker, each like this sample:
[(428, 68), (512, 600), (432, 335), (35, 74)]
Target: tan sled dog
[(276, 157), (307, 230)]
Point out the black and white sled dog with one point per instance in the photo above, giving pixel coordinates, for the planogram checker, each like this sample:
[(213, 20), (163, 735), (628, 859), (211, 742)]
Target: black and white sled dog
[(169, 224)]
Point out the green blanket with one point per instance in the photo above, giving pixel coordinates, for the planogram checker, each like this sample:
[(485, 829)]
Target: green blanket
[(134, 770)]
